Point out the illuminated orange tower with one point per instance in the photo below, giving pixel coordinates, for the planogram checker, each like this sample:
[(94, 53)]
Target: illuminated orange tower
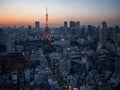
[(47, 34)]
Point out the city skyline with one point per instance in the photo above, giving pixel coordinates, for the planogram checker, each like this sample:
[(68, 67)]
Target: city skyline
[(26, 12)]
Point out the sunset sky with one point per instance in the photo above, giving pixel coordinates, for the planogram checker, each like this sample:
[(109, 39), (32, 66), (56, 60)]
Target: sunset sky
[(26, 12)]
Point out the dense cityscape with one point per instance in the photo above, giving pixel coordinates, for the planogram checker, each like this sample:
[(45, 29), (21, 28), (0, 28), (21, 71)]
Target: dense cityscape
[(72, 45), (70, 57)]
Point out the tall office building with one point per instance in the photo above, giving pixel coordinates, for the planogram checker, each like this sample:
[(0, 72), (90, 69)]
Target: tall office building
[(72, 25), (1, 31), (104, 31), (77, 24), (6, 40), (104, 25), (3, 37), (118, 39), (65, 25), (100, 34), (91, 30), (29, 27), (72, 28), (116, 33), (117, 29), (37, 25)]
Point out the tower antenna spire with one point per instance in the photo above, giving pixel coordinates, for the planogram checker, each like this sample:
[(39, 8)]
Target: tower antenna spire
[(47, 10)]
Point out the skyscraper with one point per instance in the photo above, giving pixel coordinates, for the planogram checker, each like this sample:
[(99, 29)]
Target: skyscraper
[(29, 27), (72, 25), (77, 24), (104, 25), (91, 30), (103, 31), (3, 37), (100, 34), (65, 25), (37, 25)]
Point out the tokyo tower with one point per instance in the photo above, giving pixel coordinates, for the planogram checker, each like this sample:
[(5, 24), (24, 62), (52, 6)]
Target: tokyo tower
[(47, 33)]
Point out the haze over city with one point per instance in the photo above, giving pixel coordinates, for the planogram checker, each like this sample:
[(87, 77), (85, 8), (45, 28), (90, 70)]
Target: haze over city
[(59, 45), (25, 12)]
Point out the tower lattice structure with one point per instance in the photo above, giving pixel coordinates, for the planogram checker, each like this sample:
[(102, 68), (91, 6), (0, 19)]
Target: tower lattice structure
[(47, 33)]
